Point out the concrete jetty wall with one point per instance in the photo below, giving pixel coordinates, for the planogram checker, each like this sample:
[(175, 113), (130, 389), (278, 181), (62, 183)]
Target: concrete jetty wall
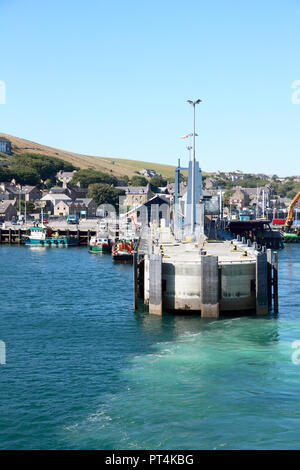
[(210, 279), (182, 288)]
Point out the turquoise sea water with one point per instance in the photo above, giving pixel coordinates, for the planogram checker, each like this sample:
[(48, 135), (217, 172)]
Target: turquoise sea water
[(83, 371)]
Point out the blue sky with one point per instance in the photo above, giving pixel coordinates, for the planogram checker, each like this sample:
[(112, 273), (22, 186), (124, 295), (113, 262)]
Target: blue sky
[(112, 79)]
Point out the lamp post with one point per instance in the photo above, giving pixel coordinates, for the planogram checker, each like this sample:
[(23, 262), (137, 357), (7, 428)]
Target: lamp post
[(193, 103), (20, 192), (189, 148)]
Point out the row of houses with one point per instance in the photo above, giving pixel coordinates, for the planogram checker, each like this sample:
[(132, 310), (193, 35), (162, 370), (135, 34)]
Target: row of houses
[(10, 191), (7, 210)]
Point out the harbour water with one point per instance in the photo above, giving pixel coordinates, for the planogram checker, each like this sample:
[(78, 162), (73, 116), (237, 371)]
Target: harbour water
[(83, 371)]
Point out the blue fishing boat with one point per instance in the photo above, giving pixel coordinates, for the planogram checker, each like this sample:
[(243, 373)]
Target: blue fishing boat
[(44, 236)]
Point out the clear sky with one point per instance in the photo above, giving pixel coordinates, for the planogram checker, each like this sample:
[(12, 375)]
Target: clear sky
[(111, 78)]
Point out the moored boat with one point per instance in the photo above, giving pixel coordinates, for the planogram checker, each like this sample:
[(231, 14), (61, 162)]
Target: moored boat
[(290, 237), (44, 236), (123, 252), (100, 243)]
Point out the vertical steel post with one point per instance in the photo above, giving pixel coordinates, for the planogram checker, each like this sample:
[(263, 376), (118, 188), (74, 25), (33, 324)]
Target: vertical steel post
[(275, 281), (269, 261), (135, 281)]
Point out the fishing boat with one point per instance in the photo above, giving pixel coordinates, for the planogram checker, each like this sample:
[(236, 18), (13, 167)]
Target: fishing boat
[(44, 236), (100, 243), (290, 237), (123, 252)]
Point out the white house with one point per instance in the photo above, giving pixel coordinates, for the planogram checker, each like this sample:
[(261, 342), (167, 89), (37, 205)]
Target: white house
[(55, 198)]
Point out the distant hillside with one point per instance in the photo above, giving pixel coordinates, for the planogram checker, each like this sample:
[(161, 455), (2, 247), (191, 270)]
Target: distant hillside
[(114, 166)]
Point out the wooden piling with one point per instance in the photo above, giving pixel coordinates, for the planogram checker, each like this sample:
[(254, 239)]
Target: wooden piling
[(269, 276), (275, 281)]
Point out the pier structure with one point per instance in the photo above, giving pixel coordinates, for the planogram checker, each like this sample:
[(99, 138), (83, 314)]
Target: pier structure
[(17, 236), (183, 270), (208, 278)]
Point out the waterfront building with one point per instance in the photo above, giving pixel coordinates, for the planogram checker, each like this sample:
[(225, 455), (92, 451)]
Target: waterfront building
[(4, 195), (76, 192), (31, 193), (171, 188), (148, 173), (155, 209), (14, 191), (54, 198), (65, 176), (85, 207), (7, 210), (62, 209), (136, 195)]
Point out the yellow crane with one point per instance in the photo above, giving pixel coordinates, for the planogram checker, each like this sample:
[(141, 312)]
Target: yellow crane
[(289, 219)]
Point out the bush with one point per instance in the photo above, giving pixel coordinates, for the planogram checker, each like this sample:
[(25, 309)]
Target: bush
[(139, 181), (105, 194), (158, 181), (31, 168), (89, 176)]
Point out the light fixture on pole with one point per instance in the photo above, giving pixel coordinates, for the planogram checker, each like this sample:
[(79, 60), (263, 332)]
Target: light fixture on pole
[(193, 103)]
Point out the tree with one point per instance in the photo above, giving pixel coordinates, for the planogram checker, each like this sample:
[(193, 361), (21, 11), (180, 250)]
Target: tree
[(182, 178), (26, 176), (125, 178), (105, 194), (49, 182), (139, 181), (31, 168), (158, 181), (30, 207), (5, 174), (227, 195), (89, 176)]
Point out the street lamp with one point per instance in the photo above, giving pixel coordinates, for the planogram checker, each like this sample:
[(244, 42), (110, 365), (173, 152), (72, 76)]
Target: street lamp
[(193, 103)]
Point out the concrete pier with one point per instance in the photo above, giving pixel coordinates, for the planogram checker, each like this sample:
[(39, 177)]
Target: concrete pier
[(135, 280), (155, 284), (146, 280), (208, 277)]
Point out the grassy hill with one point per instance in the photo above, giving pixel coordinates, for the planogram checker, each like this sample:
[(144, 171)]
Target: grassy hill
[(115, 166)]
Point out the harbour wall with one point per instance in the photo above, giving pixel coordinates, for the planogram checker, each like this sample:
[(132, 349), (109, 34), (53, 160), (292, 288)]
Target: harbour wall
[(17, 236)]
